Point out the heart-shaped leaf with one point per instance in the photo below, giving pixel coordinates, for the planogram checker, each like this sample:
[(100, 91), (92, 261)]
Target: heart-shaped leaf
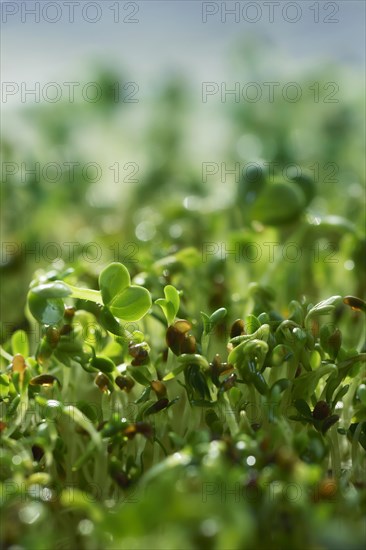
[(169, 304), (113, 280), (131, 304), (168, 309), (172, 295)]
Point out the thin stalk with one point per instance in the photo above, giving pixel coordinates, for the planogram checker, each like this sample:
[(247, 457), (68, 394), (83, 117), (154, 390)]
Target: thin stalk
[(244, 424), (106, 405), (86, 294), (5, 354), (205, 343), (334, 452), (230, 416), (253, 397), (355, 450), (170, 361)]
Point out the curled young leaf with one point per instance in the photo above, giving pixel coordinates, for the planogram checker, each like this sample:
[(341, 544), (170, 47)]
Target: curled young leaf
[(169, 305), (194, 359), (322, 308), (56, 289)]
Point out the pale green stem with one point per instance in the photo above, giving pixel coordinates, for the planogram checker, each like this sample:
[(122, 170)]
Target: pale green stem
[(254, 402), (106, 405), (348, 399), (86, 294), (170, 361), (230, 416), (205, 342), (355, 450), (334, 452), (244, 424), (5, 354)]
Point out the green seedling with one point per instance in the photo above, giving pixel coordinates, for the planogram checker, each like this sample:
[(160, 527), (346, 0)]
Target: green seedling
[(284, 404)]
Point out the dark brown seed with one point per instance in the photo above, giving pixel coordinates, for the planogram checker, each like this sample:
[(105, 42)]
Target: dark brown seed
[(188, 344), (37, 452), (138, 352), (173, 339), (159, 388), (46, 380), (237, 328), (145, 429), (125, 383), (335, 342), (69, 313), (52, 336), (18, 363), (321, 410), (355, 303), (158, 406), (142, 428), (65, 329), (182, 326), (102, 381), (215, 368)]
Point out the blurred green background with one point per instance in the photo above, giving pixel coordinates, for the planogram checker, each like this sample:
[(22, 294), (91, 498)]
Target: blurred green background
[(139, 175)]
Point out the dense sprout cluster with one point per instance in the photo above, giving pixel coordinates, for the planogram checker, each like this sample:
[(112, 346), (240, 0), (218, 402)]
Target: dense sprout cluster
[(194, 432)]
